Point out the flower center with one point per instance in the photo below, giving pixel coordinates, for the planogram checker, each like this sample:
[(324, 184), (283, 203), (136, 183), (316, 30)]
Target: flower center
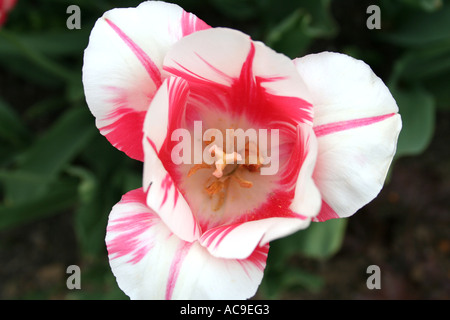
[(228, 167)]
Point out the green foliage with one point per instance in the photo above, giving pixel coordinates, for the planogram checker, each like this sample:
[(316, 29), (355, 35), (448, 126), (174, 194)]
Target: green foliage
[(53, 159)]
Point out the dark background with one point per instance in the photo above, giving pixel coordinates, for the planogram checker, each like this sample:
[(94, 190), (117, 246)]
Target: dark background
[(59, 177)]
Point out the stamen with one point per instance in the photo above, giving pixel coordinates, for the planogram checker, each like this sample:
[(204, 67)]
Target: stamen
[(253, 160), (214, 187), (197, 167), (220, 202), (219, 187), (242, 182)]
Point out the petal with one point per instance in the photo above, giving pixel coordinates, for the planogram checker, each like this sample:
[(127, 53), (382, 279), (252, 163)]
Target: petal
[(307, 199), (150, 262), (122, 66), (160, 178), (357, 126), (239, 240)]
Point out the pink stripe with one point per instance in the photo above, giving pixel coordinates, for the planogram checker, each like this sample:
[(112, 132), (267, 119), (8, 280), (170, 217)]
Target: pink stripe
[(175, 267), (128, 229), (123, 132), (127, 242), (257, 259), (326, 213), (211, 234), (190, 24), (152, 144), (146, 61), (225, 233), (334, 127), (166, 185)]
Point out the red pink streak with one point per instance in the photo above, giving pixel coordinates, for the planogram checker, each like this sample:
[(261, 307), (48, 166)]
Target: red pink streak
[(190, 23), (146, 61), (127, 241), (334, 127), (175, 267), (122, 133), (166, 185), (326, 213)]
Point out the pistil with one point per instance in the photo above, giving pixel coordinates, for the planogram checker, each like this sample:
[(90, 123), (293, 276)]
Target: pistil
[(222, 159)]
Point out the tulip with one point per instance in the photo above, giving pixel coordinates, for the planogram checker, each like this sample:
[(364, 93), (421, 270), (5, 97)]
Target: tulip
[(201, 229)]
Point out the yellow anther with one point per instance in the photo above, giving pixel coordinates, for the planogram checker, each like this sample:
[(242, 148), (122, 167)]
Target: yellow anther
[(242, 182), (197, 167)]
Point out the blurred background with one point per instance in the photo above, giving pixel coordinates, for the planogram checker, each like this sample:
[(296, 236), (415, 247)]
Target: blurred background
[(59, 177)]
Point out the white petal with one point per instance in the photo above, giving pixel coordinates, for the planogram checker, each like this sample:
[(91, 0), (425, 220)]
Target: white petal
[(307, 199), (150, 262), (239, 240), (357, 126)]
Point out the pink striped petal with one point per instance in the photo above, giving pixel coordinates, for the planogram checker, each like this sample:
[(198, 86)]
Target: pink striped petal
[(150, 262), (356, 122), (161, 180), (122, 67), (240, 77)]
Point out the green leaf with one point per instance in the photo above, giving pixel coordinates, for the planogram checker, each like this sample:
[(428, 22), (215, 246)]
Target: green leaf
[(98, 195), (417, 109), (12, 130), (422, 63), (438, 87), (419, 28), (47, 157), (322, 239), (281, 280), (60, 197), (308, 21), (426, 5), (17, 48), (290, 37), (91, 217)]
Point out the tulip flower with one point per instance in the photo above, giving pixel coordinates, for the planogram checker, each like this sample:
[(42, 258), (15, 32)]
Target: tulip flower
[(281, 143)]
